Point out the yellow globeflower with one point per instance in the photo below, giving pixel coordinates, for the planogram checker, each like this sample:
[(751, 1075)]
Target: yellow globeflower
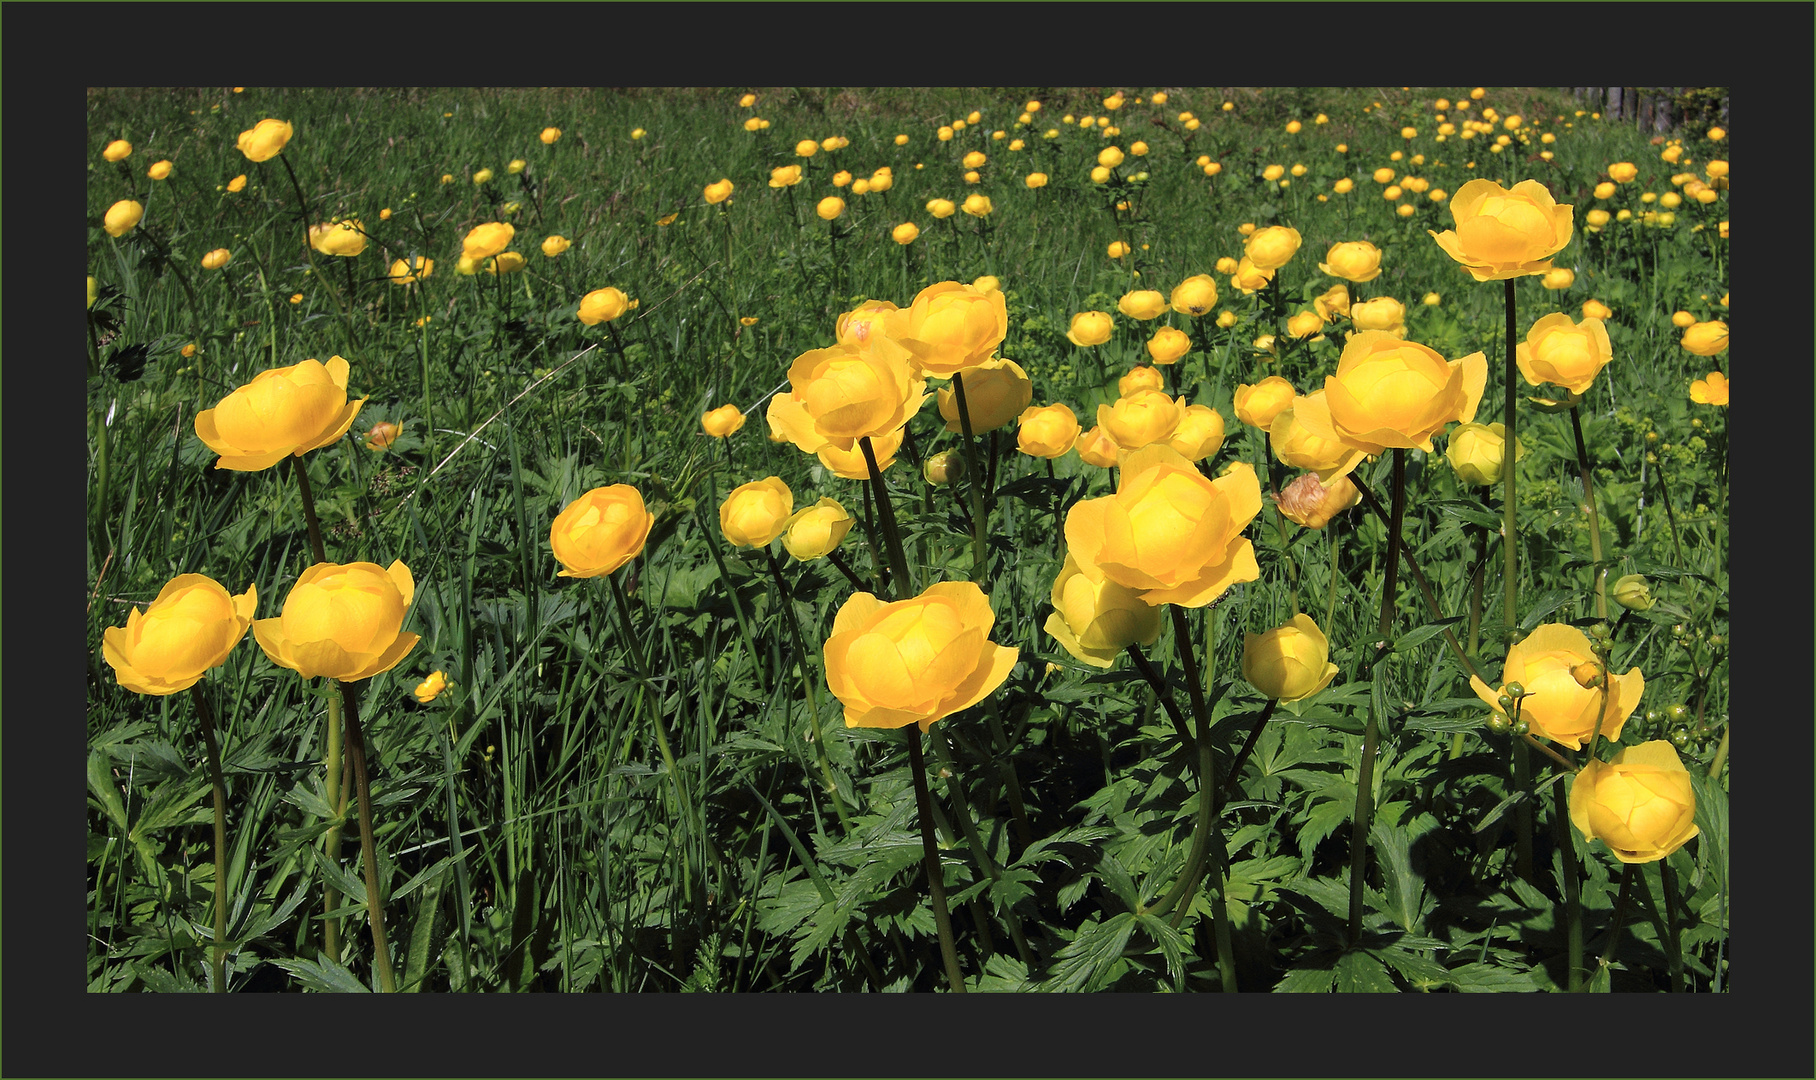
[(1289, 662), (915, 661), (168, 646), (1640, 802), (342, 622)]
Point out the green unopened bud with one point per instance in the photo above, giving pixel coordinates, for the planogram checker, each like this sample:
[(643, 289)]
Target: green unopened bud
[(1513, 689), (1499, 724), (1677, 713), (1521, 727), (943, 468)]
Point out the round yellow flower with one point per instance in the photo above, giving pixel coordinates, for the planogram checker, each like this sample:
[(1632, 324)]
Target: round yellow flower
[(1505, 233), (816, 531), (342, 238), (1095, 621), (754, 514), (550, 135), (1393, 393), (1289, 662), (1354, 260), (830, 207), (265, 139), (722, 421), (1047, 431), (122, 217), (1271, 248), (1258, 405), (951, 326), (1140, 419), (1706, 338), (1639, 802), (1143, 304), (281, 413), (1195, 296), (1169, 533), (978, 205), (485, 241), (1168, 345), (1090, 328), (1199, 433), (602, 305), (600, 531), (342, 622), (1557, 705), (1564, 353), (905, 233), (996, 392), (554, 245), (1478, 452), (718, 191), (915, 661), (191, 627), (850, 391), (216, 259)]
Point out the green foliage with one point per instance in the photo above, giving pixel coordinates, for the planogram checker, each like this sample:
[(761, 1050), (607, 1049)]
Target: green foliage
[(535, 833)]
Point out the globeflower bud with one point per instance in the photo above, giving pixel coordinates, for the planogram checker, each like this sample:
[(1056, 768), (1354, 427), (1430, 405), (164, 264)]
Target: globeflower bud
[(602, 305), (944, 467), (1477, 452), (1633, 593), (816, 531), (1047, 431), (1090, 328), (122, 217), (1288, 663), (1095, 621), (1308, 503), (722, 421)]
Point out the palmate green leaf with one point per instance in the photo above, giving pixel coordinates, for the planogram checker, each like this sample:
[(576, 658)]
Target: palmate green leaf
[(1090, 961), (1406, 902), (1361, 972), (1490, 979), (169, 805), (323, 975), (101, 786)]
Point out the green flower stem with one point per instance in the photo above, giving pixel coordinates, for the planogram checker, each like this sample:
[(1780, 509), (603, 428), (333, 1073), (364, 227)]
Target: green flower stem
[(1510, 526), (1209, 834), (955, 788), (1330, 604), (308, 493), (375, 911), (220, 839), (974, 479), (1522, 818), (1371, 735), (315, 273), (332, 763), (1160, 691), (1573, 900), (879, 562), (1674, 957), (813, 704), (1286, 556), (737, 605), (843, 567), (1248, 747), (1466, 658), (1721, 754), (892, 538), (1018, 811), (1620, 913), (428, 397), (1595, 526), (936, 885), (687, 807)]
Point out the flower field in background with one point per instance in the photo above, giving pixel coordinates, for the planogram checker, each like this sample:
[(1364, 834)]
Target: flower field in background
[(1021, 539)]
